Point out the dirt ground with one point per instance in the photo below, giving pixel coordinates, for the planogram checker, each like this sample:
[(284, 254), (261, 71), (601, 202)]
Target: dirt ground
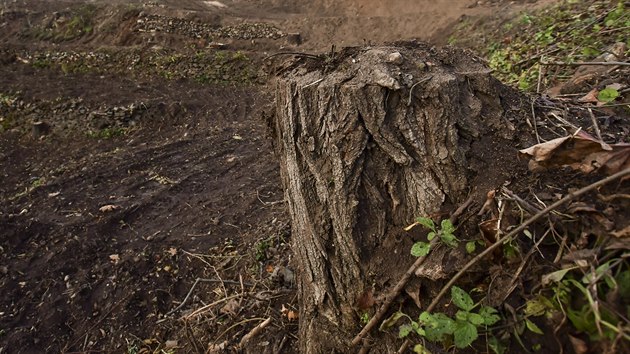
[(135, 160)]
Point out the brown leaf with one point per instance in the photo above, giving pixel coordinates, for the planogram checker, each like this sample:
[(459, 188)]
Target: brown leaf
[(579, 346), (292, 315), (414, 293), (172, 251), (114, 258), (590, 97), (366, 300), (580, 152), (230, 308), (490, 230)]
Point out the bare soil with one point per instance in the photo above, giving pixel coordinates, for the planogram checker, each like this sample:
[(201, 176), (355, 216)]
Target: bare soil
[(155, 167)]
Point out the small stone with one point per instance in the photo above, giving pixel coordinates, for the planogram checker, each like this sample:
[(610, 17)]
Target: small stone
[(395, 58)]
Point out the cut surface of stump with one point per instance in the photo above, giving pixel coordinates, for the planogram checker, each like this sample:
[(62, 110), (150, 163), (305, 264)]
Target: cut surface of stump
[(368, 140)]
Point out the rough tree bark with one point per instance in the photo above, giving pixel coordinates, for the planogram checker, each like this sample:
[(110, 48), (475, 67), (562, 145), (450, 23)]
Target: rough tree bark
[(369, 140)]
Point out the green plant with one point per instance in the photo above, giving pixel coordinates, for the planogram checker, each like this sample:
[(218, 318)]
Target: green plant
[(445, 233), (260, 250), (107, 133), (586, 300), (365, 318), (462, 330), (80, 23)]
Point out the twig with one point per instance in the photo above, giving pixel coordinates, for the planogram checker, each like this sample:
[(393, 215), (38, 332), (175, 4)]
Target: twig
[(269, 203), (597, 131), (522, 227), (523, 264), (205, 308), (254, 332), (581, 63), (540, 75), (532, 210), (197, 281), (237, 324), (535, 124), (313, 83), (391, 296), (278, 350), (192, 338), (616, 104), (534, 57), (403, 347), (416, 84), (306, 55)]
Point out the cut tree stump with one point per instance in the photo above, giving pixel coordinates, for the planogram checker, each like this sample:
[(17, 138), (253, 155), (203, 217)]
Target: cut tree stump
[(369, 139)]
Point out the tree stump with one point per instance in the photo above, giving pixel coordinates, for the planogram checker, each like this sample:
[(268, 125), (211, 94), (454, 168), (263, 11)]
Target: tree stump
[(369, 139)]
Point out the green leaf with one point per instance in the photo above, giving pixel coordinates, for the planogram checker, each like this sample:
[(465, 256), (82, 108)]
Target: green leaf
[(426, 318), (416, 327), (420, 349), (404, 330), (449, 239), (447, 227), (461, 299), (555, 276), (535, 307), (536, 347), (462, 315), (496, 346), (420, 249), (489, 315), (465, 333), (437, 326), (583, 320), (431, 235), (471, 247), (533, 327), (391, 321), (623, 282), (476, 319), (607, 95), (426, 222)]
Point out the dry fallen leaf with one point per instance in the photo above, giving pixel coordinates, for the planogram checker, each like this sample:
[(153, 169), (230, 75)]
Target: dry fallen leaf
[(230, 308), (292, 316), (590, 97), (108, 208), (172, 251), (366, 300), (579, 346), (269, 268), (580, 152)]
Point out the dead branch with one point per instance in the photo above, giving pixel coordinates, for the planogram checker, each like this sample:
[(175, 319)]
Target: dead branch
[(205, 308), (305, 55), (254, 332), (389, 299), (580, 63), (197, 281), (522, 227)]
